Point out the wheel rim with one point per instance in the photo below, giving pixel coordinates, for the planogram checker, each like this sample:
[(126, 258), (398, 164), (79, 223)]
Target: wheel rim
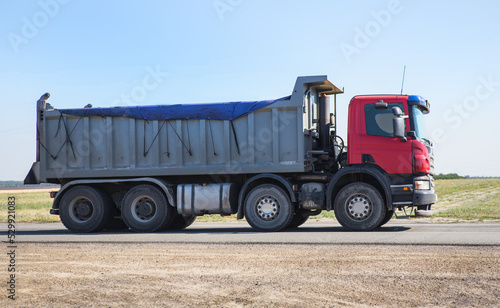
[(81, 209), (143, 208), (268, 208), (359, 207)]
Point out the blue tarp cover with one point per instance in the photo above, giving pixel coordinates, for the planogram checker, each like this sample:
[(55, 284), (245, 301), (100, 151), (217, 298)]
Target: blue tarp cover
[(213, 111)]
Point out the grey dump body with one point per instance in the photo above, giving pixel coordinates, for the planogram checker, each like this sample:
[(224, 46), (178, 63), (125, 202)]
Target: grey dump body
[(273, 139)]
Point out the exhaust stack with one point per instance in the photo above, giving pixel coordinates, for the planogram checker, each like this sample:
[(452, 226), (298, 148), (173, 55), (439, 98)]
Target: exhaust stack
[(324, 121)]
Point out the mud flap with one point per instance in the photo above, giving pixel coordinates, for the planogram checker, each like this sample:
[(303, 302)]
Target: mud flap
[(33, 176)]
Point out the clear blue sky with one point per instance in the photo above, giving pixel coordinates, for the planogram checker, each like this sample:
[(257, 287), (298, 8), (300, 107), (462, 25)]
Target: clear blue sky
[(102, 52)]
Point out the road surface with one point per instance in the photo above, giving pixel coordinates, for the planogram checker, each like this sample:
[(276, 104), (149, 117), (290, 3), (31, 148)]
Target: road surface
[(396, 232), (412, 264)]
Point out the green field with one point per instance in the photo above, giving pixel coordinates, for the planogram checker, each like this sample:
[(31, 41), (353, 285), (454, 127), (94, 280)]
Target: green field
[(459, 200), (30, 205), (468, 199)]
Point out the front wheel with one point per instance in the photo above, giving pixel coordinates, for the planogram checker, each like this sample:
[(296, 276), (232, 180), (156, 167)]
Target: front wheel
[(360, 207), (268, 208), (388, 216), (297, 220)]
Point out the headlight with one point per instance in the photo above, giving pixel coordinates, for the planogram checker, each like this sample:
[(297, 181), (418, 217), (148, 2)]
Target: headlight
[(422, 185)]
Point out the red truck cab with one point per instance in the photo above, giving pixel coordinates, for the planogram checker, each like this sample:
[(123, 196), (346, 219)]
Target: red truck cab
[(404, 158)]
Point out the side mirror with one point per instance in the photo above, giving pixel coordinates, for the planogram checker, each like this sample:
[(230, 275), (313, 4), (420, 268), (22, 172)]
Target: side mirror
[(396, 111), (398, 123)]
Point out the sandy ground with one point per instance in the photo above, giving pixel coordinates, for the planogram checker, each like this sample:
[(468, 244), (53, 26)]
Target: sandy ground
[(192, 275)]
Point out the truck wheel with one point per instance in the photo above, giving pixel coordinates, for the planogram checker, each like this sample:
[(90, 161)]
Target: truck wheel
[(268, 208), (115, 224), (85, 209), (145, 209), (297, 220), (180, 222), (359, 207), (388, 216)]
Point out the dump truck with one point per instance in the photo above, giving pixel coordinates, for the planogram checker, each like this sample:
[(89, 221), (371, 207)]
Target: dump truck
[(275, 163)]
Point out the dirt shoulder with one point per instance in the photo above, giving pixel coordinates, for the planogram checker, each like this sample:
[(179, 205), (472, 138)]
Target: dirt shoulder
[(188, 275)]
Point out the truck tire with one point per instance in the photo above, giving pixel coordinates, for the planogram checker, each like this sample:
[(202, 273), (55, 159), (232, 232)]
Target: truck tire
[(115, 224), (268, 208), (85, 209), (180, 222), (388, 216), (359, 207), (297, 220), (145, 209)]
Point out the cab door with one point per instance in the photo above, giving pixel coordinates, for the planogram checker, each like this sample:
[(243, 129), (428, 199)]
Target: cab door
[(378, 144)]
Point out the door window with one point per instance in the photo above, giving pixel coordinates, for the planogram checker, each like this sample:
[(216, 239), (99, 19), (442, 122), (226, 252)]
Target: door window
[(379, 121)]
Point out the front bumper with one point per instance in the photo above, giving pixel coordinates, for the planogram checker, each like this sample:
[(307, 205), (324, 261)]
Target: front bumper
[(409, 195), (425, 196)]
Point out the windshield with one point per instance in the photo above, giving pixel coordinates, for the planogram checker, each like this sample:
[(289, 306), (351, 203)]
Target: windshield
[(419, 124)]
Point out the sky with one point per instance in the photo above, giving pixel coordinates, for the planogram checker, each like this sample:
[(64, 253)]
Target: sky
[(118, 53)]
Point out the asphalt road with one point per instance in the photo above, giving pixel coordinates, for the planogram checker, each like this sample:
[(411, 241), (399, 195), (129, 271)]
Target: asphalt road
[(396, 232)]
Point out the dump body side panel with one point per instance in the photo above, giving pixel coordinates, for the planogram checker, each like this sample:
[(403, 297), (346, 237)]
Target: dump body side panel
[(268, 140), (276, 138)]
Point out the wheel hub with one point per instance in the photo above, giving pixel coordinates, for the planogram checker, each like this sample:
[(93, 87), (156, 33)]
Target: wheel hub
[(267, 208), (81, 210), (359, 207), (145, 208)]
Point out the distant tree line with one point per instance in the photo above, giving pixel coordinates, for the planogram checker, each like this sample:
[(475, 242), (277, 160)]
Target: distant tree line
[(454, 176), (448, 176), (14, 184), (11, 183)]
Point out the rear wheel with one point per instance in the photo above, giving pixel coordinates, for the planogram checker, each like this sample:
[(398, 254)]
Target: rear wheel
[(85, 209), (115, 224), (268, 208), (360, 207), (180, 222), (145, 209)]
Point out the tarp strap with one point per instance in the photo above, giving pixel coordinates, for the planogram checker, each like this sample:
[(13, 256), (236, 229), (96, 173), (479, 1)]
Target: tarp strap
[(168, 153), (61, 119), (189, 151), (43, 146), (58, 125), (154, 139), (235, 138), (212, 135), (189, 139), (144, 139), (68, 140)]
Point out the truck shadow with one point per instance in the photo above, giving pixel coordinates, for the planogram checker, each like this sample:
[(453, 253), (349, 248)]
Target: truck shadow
[(305, 229), (214, 230)]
